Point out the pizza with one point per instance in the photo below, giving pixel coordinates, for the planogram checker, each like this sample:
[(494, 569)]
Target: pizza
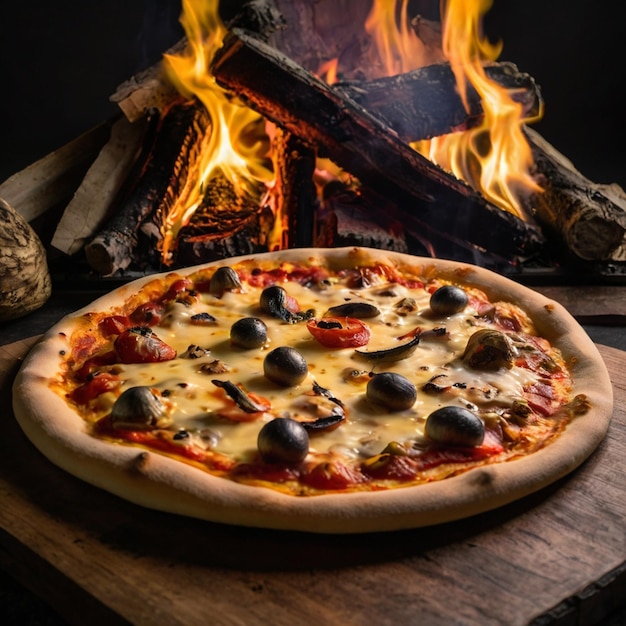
[(324, 390)]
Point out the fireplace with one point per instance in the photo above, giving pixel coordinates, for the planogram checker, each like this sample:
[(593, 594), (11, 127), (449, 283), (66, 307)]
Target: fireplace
[(405, 204)]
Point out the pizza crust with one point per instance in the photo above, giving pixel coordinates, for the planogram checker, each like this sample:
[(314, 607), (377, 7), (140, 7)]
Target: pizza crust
[(162, 483)]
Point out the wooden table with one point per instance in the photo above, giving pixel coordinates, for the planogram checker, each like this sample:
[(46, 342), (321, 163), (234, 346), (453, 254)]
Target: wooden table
[(558, 556)]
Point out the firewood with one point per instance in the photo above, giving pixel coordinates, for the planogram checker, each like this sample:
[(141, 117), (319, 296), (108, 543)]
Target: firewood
[(103, 181), (425, 103), (294, 195), (362, 145), (148, 90), (170, 159), (50, 182), (348, 218), (229, 222), (589, 218), (586, 219)]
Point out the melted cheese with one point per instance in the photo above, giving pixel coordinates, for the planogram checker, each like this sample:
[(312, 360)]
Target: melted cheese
[(196, 402)]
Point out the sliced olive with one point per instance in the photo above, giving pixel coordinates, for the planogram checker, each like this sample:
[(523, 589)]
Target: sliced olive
[(285, 366), (138, 408), (489, 349), (249, 332), (224, 279), (360, 310), (391, 390), (389, 355), (283, 440), (448, 300), (455, 426)]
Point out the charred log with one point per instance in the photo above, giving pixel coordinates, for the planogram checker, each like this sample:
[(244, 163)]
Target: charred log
[(341, 129), (229, 222), (169, 160), (348, 218), (294, 194), (425, 103)]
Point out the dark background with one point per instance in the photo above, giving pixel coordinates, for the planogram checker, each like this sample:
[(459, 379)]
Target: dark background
[(60, 62)]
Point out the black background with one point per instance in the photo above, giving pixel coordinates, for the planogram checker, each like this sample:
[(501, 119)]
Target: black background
[(60, 61)]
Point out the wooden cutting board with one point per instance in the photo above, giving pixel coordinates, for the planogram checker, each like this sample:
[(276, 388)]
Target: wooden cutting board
[(559, 554)]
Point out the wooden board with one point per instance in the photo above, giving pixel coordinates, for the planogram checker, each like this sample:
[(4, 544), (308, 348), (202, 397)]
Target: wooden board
[(97, 559)]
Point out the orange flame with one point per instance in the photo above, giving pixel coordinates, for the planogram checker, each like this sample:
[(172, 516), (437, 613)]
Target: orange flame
[(226, 146), (494, 157), (399, 50)]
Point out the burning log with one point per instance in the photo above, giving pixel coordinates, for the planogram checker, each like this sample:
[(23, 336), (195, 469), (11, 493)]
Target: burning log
[(425, 103), (294, 194), (170, 158), (229, 222), (424, 194), (351, 219), (589, 219)]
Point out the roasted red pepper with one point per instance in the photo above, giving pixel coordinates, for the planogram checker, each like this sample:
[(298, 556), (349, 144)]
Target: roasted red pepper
[(336, 332), (140, 344)]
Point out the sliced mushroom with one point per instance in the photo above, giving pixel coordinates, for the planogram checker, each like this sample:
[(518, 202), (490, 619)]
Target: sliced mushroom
[(224, 279), (489, 349), (139, 408)]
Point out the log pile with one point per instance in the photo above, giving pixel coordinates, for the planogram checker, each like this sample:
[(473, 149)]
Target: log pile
[(364, 123)]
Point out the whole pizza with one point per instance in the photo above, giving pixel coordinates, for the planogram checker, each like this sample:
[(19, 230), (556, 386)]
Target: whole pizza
[(325, 390)]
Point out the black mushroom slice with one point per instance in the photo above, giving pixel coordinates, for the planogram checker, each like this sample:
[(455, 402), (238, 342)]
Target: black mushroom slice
[(249, 333), (283, 440), (455, 426), (202, 319), (390, 355), (274, 302), (448, 300), (239, 396), (139, 408), (224, 279), (285, 366), (489, 349), (392, 391), (360, 310)]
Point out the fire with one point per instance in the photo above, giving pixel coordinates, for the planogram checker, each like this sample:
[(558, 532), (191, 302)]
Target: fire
[(494, 157), (231, 145), (399, 50)]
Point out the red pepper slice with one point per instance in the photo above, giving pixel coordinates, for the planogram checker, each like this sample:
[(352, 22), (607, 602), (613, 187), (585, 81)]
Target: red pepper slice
[(339, 332), (114, 324), (139, 344), (147, 314), (99, 384)]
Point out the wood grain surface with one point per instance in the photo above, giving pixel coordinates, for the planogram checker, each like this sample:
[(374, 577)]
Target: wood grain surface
[(556, 557)]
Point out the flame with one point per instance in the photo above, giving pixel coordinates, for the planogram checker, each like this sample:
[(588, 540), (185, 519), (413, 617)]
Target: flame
[(229, 145), (399, 49), (494, 157)]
